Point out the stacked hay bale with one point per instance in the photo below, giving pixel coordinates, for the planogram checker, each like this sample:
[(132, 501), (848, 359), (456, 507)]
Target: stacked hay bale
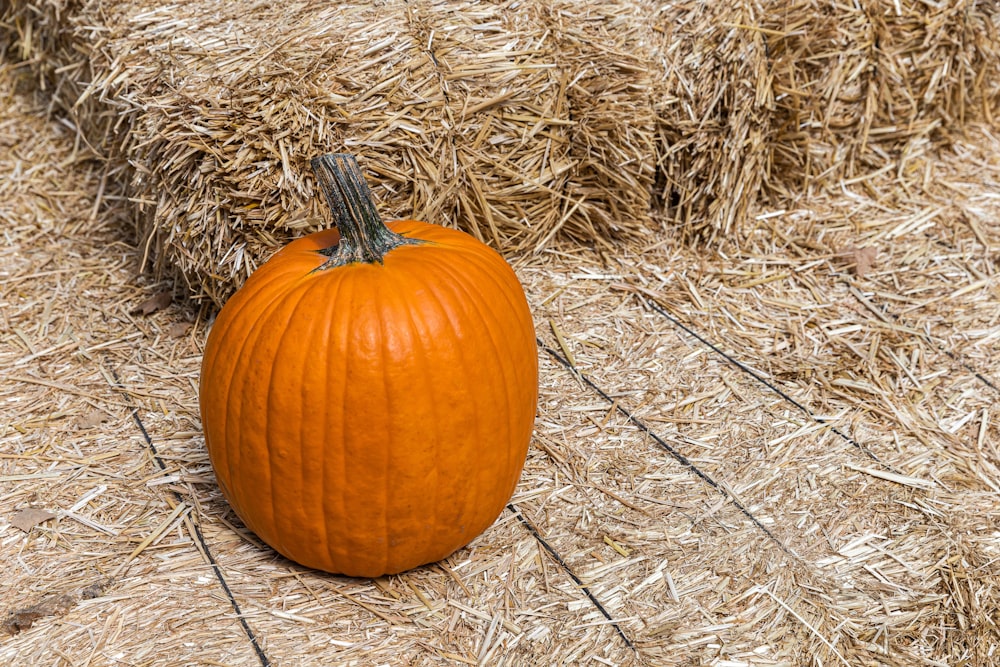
[(866, 86), (518, 121), (778, 97)]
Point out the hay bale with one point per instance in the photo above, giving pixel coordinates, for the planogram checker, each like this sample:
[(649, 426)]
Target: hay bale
[(516, 121), (863, 85)]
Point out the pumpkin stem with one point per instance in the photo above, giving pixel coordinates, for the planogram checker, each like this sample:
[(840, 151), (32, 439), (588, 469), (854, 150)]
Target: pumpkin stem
[(363, 235)]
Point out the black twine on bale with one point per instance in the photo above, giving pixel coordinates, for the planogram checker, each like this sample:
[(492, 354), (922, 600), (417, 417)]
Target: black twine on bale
[(572, 575), (766, 382), (882, 311), (664, 445), (247, 630)]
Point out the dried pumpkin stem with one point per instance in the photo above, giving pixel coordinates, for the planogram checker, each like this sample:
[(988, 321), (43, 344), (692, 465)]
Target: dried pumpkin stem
[(363, 235)]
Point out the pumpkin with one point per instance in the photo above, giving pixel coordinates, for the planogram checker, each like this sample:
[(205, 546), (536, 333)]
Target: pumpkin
[(368, 395)]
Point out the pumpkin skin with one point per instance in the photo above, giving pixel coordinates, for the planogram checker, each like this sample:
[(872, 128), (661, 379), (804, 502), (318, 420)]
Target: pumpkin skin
[(372, 417)]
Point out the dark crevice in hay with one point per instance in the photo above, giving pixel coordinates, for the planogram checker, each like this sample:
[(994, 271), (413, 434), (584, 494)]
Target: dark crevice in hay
[(714, 124)]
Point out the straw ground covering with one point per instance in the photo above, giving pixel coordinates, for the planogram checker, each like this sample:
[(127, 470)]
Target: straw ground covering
[(785, 456), (519, 121)]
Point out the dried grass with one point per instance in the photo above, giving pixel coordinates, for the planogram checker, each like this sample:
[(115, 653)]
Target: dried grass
[(521, 122), (714, 112), (867, 86), (891, 562), (516, 121)]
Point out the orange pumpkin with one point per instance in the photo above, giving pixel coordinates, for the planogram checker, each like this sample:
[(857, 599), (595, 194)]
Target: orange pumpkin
[(368, 396)]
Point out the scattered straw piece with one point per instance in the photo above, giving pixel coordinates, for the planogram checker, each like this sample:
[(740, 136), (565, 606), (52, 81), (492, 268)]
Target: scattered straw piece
[(905, 480)]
